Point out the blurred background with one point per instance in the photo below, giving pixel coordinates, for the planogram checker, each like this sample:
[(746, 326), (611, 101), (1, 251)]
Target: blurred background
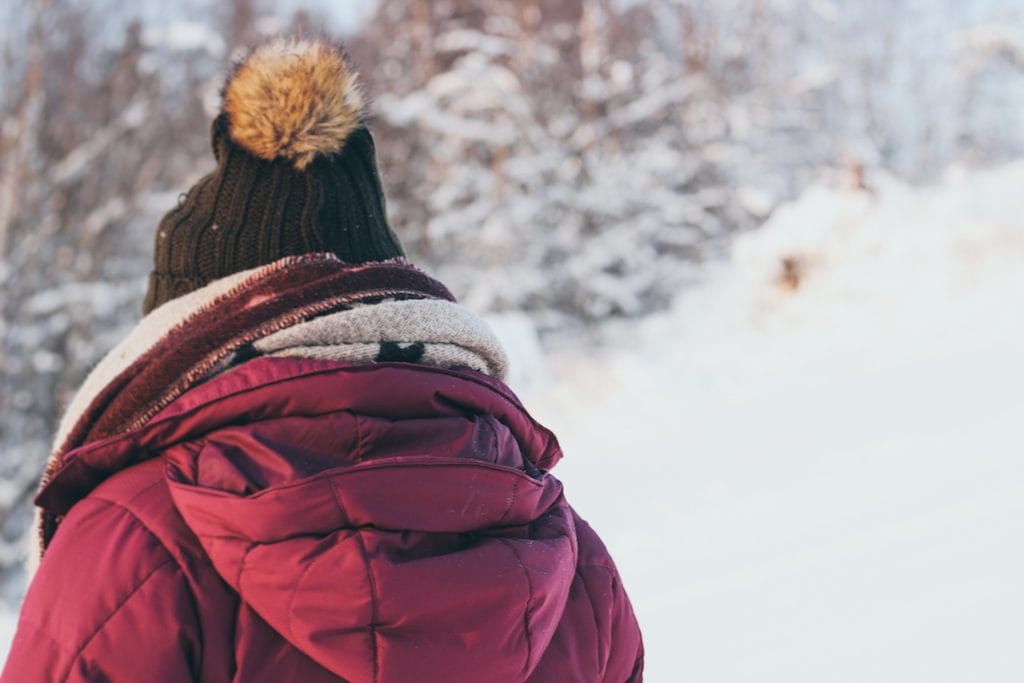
[(760, 263)]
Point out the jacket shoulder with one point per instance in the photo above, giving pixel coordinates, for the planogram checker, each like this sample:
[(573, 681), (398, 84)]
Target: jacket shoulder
[(106, 581), (598, 638)]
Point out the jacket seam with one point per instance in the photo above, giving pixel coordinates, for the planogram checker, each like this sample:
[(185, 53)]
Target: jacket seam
[(602, 662), (387, 464), (42, 630), (486, 423), (529, 604), (357, 456), (515, 485), (188, 588), (295, 594), (511, 501), (371, 580), (241, 566), (124, 601), (132, 497)]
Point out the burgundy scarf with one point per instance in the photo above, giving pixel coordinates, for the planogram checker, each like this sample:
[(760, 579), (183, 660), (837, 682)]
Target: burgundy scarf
[(273, 298)]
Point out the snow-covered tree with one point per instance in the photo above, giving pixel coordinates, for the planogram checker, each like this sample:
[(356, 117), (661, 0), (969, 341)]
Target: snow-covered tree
[(574, 159)]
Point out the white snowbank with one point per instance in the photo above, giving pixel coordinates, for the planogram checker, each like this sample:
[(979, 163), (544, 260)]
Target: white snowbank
[(817, 473)]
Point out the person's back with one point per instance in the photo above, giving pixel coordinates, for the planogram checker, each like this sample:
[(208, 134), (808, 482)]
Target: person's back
[(303, 464)]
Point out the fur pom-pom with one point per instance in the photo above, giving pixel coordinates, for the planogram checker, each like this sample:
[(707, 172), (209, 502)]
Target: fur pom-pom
[(293, 99)]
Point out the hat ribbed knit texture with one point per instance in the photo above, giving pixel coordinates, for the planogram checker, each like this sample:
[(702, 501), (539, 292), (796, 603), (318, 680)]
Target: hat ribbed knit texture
[(251, 211)]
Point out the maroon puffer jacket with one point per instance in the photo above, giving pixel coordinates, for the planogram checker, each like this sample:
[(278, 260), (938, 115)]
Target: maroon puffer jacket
[(302, 520)]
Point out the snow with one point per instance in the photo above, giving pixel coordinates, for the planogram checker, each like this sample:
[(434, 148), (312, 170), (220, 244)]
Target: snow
[(812, 472), (8, 621), (821, 480), (185, 36), (555, 182)]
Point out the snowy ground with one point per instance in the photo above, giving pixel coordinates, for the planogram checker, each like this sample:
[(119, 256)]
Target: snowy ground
[(823, 483)]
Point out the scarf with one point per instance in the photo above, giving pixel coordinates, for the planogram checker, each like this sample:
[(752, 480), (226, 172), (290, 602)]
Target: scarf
[(311, 306)]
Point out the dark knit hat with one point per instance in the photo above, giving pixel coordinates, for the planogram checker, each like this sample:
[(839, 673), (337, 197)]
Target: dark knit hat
[(296, 173)]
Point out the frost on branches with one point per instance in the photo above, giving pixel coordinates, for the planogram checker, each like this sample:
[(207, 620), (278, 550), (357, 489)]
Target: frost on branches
[(537, 158), (573, 160)]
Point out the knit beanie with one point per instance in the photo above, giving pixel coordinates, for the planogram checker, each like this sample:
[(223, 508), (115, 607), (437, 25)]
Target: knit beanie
[(296, 173)]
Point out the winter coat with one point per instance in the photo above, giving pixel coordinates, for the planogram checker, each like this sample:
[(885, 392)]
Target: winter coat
[(297, 519)]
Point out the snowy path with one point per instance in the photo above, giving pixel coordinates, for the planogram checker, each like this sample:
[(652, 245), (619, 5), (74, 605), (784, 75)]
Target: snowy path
[(825, 484)]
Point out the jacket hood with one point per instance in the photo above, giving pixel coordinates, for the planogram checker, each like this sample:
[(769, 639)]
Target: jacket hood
[(393, 522)]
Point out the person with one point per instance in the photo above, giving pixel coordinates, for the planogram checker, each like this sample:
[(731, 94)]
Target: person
[(303, 464)]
